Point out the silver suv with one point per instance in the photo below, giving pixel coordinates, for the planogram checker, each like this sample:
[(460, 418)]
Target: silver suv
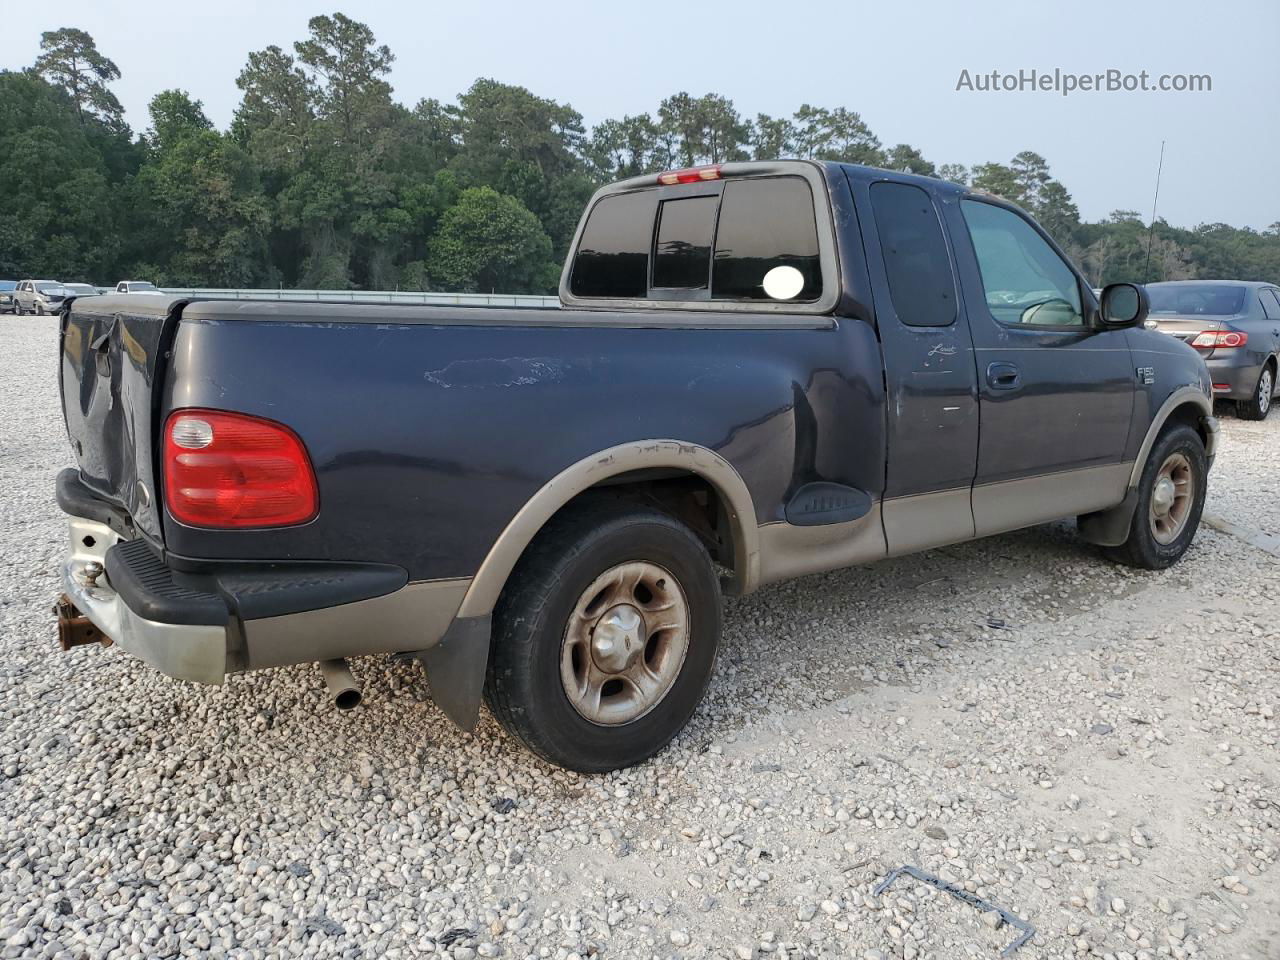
[(39, 297)]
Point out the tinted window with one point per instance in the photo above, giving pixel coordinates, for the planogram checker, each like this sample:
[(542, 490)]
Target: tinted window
[(682, 256), (764, 224), (1196, 299), (613, 256), (915, 255), (1024, 279), (1273, 304)]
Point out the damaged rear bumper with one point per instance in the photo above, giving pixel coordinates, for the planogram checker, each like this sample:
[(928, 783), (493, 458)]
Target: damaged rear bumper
[(203, 626), (188, 651)]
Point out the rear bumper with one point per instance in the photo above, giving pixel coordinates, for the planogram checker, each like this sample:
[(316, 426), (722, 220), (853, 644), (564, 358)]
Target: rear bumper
[(1235, 374), (187, 651), (203, 626)]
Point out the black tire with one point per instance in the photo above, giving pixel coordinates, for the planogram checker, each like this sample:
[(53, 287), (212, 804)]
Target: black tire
[(1259, 405), (1142, 548), (17, 309), (523, 686), (39, 309)]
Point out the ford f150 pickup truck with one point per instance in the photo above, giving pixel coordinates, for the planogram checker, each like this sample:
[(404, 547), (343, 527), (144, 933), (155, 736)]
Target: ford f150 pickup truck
[(758, 371)]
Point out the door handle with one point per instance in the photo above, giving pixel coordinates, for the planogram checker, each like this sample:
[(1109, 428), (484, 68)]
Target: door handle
[(1003, 376)]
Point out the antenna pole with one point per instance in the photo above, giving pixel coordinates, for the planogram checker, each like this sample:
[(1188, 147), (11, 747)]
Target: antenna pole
[(1146, 270)]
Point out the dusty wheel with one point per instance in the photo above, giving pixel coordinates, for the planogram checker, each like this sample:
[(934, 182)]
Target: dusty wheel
[(39, 309), (1259, 405), (1171, 495), (605, 637)]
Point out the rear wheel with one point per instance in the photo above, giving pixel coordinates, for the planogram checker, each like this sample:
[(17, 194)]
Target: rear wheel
[(1259, 405), (1170, 500), (605, 637)]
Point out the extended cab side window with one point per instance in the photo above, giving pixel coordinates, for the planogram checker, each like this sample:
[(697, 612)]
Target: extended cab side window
[(916, 263), (1025, 281)]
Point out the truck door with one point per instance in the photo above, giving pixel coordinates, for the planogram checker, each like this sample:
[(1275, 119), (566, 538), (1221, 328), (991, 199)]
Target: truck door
[(1056, 389), (930, 379)]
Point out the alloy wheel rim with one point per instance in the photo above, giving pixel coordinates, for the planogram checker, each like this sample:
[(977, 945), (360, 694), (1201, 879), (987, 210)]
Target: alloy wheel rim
[(625, 643), (1264, 391), (1171, 498)]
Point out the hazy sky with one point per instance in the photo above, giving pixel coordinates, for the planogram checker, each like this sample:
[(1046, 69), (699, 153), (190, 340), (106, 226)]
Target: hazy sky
[(897, 64)]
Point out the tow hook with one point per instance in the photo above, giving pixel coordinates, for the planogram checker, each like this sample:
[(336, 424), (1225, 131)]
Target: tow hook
[(74, 628)]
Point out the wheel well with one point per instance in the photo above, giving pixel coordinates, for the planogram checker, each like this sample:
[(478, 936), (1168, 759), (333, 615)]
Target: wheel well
[(1190, 415), (685, 496)]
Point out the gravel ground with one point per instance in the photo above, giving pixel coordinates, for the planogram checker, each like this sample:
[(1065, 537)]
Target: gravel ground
[(1091, 747)]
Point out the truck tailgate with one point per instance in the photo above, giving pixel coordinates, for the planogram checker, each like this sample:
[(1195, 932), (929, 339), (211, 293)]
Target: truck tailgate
[(111, 363)]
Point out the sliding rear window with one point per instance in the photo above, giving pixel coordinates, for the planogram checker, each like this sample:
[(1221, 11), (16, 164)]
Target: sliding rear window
[(710, 246)]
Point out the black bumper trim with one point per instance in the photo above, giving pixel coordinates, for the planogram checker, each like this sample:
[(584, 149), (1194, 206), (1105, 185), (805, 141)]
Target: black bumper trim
[(152, 591)]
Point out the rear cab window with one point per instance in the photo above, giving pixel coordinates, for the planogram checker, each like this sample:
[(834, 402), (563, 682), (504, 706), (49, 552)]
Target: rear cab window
[(750, 239)]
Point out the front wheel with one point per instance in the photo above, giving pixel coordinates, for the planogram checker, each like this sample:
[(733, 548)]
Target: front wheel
[(39, 309), (605, 637), (1259, 405), (1171, 495)]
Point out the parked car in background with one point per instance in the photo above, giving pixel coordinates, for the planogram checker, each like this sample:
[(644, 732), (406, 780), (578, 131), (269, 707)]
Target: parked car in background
[(1235, 324), (40, 296), (8, 302), (136, 286), (760, 370), (81, 289)]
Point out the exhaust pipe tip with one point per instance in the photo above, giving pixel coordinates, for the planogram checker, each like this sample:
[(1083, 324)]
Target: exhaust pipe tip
[(347, 699), (343, 688)]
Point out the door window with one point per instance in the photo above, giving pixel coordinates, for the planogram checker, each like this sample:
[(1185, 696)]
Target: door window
[(915, 255), (1025, 281), (1270, 304)]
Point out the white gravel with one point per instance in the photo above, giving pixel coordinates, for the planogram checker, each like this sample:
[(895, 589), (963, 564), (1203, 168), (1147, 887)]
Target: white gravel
[(1091, 747)]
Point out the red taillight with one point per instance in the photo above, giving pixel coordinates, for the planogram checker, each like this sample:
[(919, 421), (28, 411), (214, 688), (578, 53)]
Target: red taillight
[(689, 175), (1222, 338), (232, 470)]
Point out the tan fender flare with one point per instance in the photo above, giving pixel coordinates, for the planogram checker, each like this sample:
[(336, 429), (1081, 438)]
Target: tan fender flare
[(492, 576), (1183, 396)]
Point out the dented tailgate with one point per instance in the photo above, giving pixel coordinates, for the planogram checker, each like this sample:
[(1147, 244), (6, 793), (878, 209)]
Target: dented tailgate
[(112, 357)]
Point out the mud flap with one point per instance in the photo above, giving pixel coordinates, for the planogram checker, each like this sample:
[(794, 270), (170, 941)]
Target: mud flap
[(456, 667), (1109, 528)]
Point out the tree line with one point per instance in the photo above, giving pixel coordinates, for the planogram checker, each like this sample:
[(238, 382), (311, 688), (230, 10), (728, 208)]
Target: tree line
[(324, 180)]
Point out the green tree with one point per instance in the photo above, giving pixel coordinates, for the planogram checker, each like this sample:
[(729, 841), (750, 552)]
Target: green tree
[(955, 172), (175, 115), (59, 194), (70, 59), (772, 138), (347, 67), (197, 212), (998, 179), (488, 242), (910, 160), (838, 134)]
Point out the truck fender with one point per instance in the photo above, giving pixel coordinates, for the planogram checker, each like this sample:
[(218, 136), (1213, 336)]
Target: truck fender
[(1110, 528), (456, 665)]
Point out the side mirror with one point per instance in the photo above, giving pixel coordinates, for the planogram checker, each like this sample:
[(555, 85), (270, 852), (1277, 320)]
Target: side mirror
[(1124, 305)]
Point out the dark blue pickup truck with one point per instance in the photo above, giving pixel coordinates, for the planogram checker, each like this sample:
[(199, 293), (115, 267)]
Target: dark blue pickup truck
[(758, 371)]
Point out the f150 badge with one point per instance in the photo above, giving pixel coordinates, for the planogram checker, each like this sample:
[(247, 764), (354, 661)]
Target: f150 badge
[(1146, 375)]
